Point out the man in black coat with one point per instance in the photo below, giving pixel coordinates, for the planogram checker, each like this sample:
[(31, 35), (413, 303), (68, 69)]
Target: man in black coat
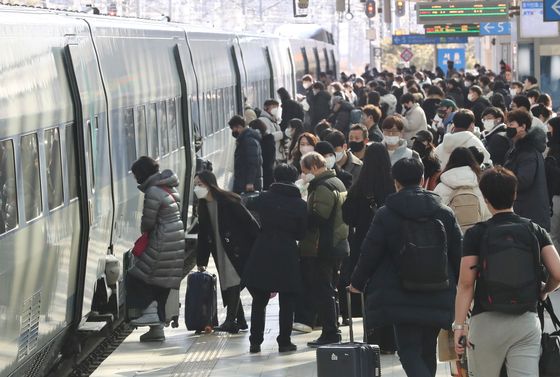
[(319, 104), (417, 316), (478, 104), (494, 135), (526, 161), (247, 167), (290, 109)]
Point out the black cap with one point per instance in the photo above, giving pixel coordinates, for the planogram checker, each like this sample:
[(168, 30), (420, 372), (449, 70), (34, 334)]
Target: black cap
[(324, 148), (424, 136)]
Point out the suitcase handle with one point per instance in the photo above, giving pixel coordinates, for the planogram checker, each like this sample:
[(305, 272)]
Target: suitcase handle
[(351, 323)]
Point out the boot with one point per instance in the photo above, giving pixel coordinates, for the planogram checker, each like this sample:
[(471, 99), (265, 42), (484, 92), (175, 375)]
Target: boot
[(149, 316), (231, 299), (241, 321), (155, 334)]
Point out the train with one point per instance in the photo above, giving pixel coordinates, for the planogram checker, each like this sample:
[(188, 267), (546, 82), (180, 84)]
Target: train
[(81, 98)]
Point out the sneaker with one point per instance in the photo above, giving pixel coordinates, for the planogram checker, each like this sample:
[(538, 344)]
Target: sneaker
[(155, 334), (302, 328), (149, 317), (255, 348), (287, 348), (323, 340), (230, 327)]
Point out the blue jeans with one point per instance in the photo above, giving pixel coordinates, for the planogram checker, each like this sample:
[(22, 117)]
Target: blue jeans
[(416, 347)]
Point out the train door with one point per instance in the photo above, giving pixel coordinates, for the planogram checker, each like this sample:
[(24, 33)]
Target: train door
[(316, 55), (305, 61), (96, 196), (292, 74), (240, 78), (271, 71)]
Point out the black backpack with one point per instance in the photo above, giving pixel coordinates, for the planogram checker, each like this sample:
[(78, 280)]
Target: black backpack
[(509, 268), (422, 264)]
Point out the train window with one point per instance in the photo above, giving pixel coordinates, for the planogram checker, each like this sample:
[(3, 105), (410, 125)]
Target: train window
[(31, 177), (162, 124), (172, 123), (72, 161), (55, 194), (141, 134), (130, 137), (153, 139), (8, 195)]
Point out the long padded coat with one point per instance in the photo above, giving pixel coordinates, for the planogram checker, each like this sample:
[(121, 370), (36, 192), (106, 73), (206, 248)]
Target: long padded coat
[(162, 262)]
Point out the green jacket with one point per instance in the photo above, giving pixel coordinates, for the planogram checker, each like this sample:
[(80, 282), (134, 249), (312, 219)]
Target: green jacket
[(327, 234)]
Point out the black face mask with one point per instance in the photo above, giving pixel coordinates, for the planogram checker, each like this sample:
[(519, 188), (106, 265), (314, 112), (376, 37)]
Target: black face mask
[(511, 132), (356, 146), (235, 134)]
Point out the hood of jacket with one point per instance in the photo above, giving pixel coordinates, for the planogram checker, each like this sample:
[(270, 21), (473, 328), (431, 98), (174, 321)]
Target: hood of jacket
[(286, 189), (249, 133), (456, 140), (414, 202), (459, 177), (165, 178), (536, 138)]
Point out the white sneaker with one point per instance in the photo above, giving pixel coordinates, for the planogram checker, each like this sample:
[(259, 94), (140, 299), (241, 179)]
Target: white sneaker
[(302, 328)]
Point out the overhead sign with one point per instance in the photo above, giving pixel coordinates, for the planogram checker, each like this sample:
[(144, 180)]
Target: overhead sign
[(531, 21), (459, 12), (420, 39), (495, 28), (551, 10), (456, 55), (407, 55), (464, 30)]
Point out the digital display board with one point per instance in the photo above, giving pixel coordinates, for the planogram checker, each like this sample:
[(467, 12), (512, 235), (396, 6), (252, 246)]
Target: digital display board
[(459, 12), (463, 30)]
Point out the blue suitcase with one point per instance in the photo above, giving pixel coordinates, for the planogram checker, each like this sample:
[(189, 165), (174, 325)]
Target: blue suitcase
[(351, 359), (201, 302)]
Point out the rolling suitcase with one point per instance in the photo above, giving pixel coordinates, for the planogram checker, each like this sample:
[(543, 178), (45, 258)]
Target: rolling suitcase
[(201, 302), (351, 359)]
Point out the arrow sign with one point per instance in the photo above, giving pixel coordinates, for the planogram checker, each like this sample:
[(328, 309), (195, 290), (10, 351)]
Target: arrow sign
[(496, 28), (551, 10)]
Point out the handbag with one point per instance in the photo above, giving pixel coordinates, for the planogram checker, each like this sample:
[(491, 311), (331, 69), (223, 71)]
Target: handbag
[(549, 364), (446, 346)]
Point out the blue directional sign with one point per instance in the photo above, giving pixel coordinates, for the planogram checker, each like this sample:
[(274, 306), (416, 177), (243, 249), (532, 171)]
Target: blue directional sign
[(457, 55), (551, 10), (419, 39), (495, 28)]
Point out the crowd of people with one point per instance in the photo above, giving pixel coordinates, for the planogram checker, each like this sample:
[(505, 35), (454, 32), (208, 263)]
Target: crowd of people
[(410, 187)]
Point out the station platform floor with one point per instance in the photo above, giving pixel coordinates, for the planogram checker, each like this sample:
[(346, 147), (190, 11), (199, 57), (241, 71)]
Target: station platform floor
[(185, 354)]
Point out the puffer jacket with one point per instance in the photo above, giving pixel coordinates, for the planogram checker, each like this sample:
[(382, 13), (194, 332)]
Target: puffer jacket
[(272, 127), (248, 161), (161, 264), (461, 177), (464, 139), (415, 121), (327, 234)]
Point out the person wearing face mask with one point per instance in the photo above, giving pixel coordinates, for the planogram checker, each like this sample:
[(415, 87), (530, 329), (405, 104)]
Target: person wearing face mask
[(305, 144), (325, 149), (423, 145), (340, 116), (478, 104), (319, 104), (415, 119), (358, 140), (494, 135), (344, 158), (431, 104), (270, 116), (293, 132), (161, 219), (227, 231), (361, 92), (446, 111), (247, 166), (325, 242), (393, 127), (290, 109), (526, 161), (515, 88), (371, 115), (521, 102), (462, 136)]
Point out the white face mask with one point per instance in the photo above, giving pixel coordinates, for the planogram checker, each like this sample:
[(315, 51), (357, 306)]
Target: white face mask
[(331, 160), (339, 156), (308, 177), (304, 149), (391, 140), (306, 84), (470, 97), (274, 112), (289, 132), (200, 192), (513, 92), (488, 124), (315, 91)]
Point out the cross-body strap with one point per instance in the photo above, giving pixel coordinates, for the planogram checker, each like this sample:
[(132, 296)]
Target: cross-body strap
[(168, 190), (547, 306)]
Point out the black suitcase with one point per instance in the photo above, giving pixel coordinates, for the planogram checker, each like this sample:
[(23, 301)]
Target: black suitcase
[(351, 359), (201, 302)]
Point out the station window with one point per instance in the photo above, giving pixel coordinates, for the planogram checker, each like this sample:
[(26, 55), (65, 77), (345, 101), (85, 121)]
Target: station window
[(55, 192), (141, 134), (8, 194), (130, 137), (172, 122), (72, 161), (151, 122), (162, 124), (31, 177)]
